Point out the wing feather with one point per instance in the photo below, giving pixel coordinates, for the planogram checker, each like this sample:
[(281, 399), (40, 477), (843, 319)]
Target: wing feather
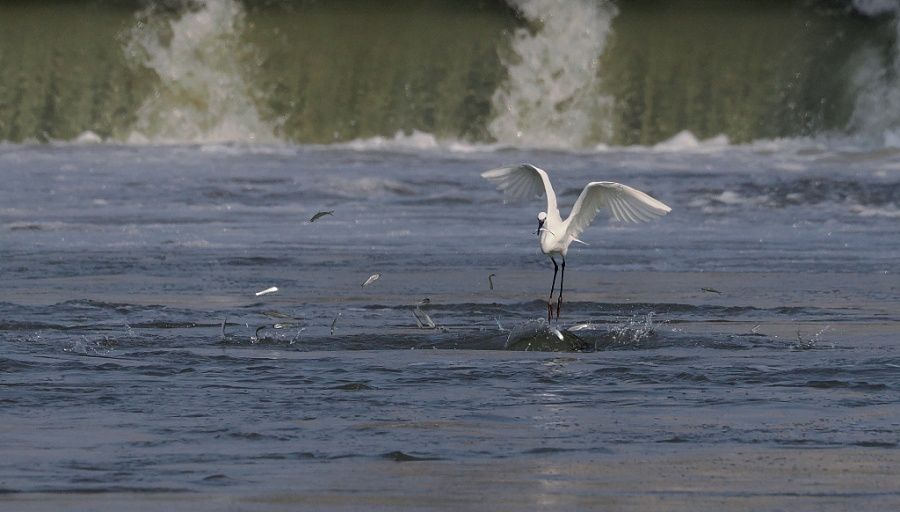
[(627, 214), (625, 203), (634, 214), (616, 206), (523, 181)]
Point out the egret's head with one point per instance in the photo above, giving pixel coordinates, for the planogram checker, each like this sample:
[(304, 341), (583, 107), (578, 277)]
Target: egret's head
[(541, 218)]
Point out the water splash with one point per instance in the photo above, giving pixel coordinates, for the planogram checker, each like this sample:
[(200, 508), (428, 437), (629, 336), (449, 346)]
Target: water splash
[(539, 335), (198, 58), (634, 331), (811, 342), (550, 98), (97, 346)]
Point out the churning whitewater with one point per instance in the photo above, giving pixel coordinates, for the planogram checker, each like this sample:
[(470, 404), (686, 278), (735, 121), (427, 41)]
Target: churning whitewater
[(585, 74)]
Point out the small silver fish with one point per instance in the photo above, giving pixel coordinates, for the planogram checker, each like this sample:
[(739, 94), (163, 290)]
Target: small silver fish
[(374, 277), (422, 319), (267, 291), (334, 322), (321, 214), (710, 290)]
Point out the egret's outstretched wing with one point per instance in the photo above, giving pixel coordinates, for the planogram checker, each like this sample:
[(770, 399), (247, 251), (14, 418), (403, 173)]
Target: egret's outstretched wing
[(523, 181), (625, 204)]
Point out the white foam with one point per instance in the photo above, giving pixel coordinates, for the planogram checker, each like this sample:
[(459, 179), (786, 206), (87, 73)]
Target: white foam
[(242, 148), (202, 94), (88, 137), (550, 98), (725, 201), (683, 142), (730, 197), (875, 121), (890, 212), (413, 141), (687, 141)]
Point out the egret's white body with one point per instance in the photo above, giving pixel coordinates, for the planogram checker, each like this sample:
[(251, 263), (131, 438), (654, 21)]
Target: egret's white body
[(556, 234)]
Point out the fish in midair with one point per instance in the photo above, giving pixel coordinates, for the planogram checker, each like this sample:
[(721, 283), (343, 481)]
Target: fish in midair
[(334, 322), (422, 319), (372, 278), (267, 291), (320, 214), (491, 281)]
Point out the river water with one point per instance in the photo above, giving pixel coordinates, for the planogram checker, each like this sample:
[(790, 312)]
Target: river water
[(757, 325), (160, 164)]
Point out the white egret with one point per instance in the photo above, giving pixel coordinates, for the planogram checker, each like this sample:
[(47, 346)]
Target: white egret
[(624, 203)]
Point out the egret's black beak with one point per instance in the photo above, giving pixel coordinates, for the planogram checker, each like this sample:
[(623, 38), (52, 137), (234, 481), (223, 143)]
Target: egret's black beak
[(540, 225)]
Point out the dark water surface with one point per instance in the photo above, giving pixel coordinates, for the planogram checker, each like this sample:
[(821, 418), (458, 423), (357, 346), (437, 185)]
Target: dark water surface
[(742, 351)]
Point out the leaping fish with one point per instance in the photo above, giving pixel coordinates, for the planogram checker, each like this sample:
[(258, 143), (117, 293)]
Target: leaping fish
[(320, 214), (372, 278), (267, 291), (422, 319), (334, 322)]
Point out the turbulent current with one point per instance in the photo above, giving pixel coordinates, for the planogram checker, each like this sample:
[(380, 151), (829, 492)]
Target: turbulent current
[(551, 73), (753, 328)]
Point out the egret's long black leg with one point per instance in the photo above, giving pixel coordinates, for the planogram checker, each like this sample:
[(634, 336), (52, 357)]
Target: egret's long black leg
[(552, 287), (562, 278)]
